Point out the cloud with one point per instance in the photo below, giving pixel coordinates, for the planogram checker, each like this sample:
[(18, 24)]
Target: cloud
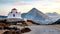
[(18, 2), (43, 5), (28, 2), (13, 2)]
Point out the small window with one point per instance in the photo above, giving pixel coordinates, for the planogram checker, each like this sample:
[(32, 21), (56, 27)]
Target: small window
[(13, 15), (16, 12)]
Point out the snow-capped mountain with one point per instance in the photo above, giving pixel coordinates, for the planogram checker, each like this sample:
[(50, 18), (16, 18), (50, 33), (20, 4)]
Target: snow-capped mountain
[(38, 17), (55, 16)]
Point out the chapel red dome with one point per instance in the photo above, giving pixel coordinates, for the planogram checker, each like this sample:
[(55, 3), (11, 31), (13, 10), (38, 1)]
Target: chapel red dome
[(14, 9)]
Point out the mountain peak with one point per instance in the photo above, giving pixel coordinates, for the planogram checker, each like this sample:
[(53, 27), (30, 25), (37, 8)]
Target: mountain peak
[(37, 16), (33, 9)]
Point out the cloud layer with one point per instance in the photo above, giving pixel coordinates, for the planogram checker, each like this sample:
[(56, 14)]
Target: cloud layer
[(26, 2), (26, 5)]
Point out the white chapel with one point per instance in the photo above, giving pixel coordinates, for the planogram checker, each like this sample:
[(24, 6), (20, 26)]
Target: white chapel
[(14, 14)]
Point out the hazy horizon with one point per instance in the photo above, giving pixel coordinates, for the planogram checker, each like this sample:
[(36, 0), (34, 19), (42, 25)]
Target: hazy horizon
[(26, 5)]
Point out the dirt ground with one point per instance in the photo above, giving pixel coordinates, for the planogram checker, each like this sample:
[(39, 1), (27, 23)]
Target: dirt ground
[(52, 26)]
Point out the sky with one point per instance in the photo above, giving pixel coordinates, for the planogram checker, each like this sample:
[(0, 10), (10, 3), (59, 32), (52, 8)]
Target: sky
[(24, 6)]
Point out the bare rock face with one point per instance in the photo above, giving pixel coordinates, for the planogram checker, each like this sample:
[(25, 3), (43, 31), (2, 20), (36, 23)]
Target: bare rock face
[(24, 30), (7, 32), (37, 16)]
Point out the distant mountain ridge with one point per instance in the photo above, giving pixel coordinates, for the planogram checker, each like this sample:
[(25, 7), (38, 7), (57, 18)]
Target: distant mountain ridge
[(55, 16), (3, 16), (57, 22)]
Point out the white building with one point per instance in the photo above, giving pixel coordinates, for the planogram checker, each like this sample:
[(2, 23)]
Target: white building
[(14, 14)]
